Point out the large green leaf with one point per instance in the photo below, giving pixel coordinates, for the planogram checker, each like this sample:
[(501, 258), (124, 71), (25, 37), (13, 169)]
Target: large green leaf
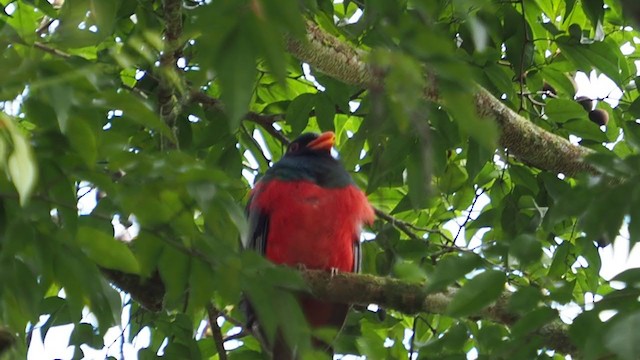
[(237, 75), (623, 339), (562, 110), (298, 112), (106, 251), (452, 268), (477, 293), (21, 164)]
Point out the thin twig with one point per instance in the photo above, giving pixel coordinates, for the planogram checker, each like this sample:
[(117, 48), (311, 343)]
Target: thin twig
[(50, 50), (255, 143), (466, 221), (213, 314), (406, 227), (414, 327), (237, 336), (265, 121)]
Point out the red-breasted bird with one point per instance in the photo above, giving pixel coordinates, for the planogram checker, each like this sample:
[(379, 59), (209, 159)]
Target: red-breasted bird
[(306, 211)]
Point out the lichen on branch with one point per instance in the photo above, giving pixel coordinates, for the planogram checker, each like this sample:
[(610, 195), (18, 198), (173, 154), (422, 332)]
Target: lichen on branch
[(524, 140)]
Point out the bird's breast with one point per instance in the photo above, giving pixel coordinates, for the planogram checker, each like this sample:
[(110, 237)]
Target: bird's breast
[(310, 225)]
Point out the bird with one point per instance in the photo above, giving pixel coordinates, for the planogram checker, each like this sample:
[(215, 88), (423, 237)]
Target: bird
[(307, 212)]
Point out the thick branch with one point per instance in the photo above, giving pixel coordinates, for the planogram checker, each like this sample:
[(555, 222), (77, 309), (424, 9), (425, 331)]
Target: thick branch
[(389, 293), (413, 298), (527, 142), (7, 340), (147, 292)]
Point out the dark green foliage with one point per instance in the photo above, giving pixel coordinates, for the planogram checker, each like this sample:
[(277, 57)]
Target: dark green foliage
[(87, 121)]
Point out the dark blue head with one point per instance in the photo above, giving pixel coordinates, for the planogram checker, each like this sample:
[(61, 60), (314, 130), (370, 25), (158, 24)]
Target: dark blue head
[(309, 158)]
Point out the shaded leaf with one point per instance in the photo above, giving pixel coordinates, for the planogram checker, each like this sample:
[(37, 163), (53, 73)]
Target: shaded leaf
[(477, 293)]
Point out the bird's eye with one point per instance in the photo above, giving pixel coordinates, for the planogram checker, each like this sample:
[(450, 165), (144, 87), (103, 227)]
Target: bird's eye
[(294, 147)]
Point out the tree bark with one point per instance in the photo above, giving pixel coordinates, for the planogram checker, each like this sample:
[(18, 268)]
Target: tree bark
[(526, 141)]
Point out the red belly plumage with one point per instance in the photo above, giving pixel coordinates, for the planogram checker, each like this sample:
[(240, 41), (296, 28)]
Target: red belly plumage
[(310, 225)]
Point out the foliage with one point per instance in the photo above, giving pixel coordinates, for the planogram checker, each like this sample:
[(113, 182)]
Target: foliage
[(162, 113)]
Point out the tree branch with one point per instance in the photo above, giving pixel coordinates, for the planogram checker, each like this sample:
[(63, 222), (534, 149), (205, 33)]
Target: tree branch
[(147, 292), (213, 314), (362, 289), (50, 50), (414, 298), (526, 141), (171, 86), (7, 340), (265, 121)]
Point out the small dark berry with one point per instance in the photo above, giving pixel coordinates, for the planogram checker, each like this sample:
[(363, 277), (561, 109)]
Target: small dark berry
[(586, 103), (599, 116)]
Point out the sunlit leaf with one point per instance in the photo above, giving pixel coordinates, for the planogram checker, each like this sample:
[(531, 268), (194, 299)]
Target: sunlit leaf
[(107, 251)]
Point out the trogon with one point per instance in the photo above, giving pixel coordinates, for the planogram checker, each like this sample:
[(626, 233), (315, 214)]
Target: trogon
[(306, 211)]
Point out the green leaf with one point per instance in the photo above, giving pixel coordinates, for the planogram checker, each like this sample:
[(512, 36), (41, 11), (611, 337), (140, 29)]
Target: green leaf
[(325, 111), (526, 248), (418, 171), (623, 338), (174, 268), (562, 110), (452, 268), (631, 277), (85, 334), (533, 320), (408, 271), (148, 248), (454, 177), (634, 108), (525, 299), (106, 251), (83, 140), (237, 75), (477, 157), (137, 111), (597, 55), (298, 112), (24, 21), (201, 288), (560, 263), (21, 164), (477, 293), (461, 106), (594, 10)]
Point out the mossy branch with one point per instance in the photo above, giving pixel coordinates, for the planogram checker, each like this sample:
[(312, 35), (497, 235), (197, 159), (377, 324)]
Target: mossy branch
[(526, 141), (362, 289)]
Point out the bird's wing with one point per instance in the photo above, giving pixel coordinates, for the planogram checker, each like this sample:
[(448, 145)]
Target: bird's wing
[(357, 255), (256, 238)]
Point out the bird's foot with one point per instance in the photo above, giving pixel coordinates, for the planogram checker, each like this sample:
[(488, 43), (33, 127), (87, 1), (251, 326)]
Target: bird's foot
[(301, 267), (334, 271)]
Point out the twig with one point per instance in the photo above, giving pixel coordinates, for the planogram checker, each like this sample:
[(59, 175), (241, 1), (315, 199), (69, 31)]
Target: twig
[(466, 221), (265, 121), (213, 314), (414, 327), (255, 143), (406, 227), (237, 336), (50, 50)]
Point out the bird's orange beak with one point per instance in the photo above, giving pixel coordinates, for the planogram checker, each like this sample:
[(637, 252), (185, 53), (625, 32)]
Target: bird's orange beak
[(324, 142)]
